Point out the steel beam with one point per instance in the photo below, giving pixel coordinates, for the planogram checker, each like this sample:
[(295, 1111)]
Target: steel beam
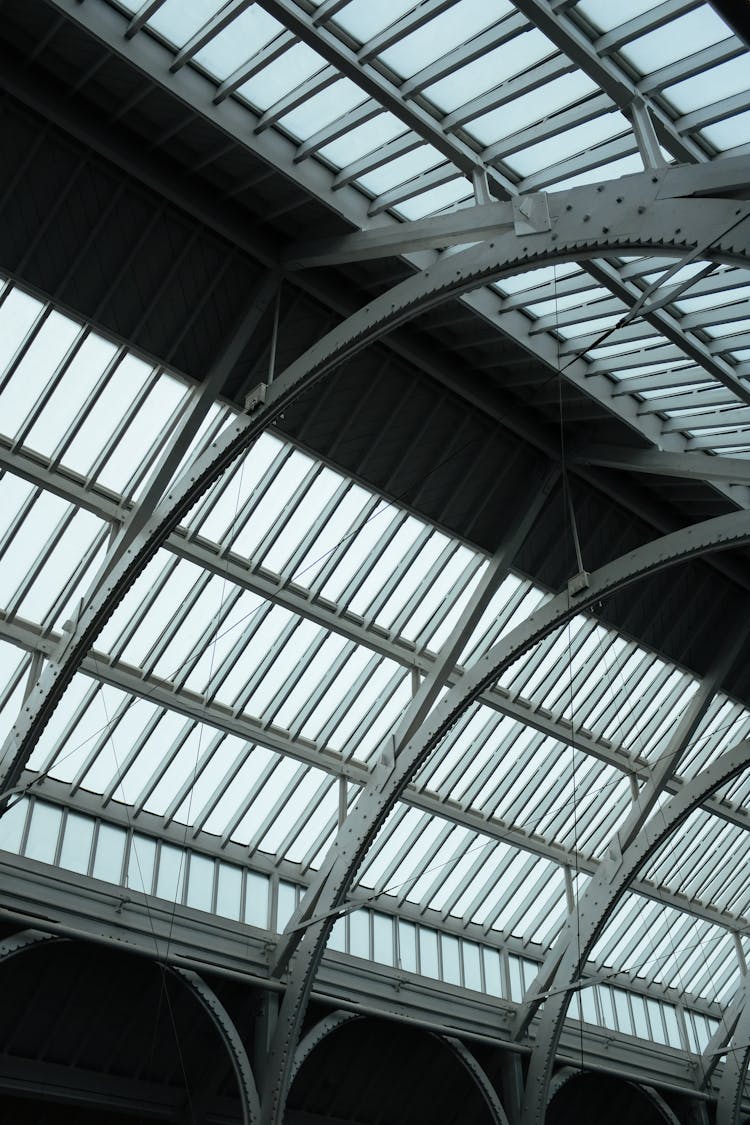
[(603, 894), (385, 787), (638, 217), (659, 462), (732, 1084)]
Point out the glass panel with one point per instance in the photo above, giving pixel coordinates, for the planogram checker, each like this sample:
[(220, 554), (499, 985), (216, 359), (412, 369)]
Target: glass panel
[(41, 843), (407, 946), (256, 899), (200, 882), (141, 861), (228, 890), (286, 903), (428, 953), (382, 939), (76, 847), (169, 881), (110, 850)]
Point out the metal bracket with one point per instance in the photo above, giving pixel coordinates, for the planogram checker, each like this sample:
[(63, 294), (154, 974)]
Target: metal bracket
[(578, 583), (255, 398), (531, 213)]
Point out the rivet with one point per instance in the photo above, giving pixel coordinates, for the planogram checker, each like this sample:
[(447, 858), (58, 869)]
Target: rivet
[(641, 209), (619, 199), (605, 230), (568, 206), (586, 218)]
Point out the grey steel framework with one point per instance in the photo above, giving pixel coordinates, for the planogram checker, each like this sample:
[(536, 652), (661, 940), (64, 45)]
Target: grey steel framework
[(243, 678)]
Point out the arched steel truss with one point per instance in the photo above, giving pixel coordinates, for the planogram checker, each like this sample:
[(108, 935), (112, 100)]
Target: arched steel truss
[(647, 212), (459, 1050), (603, 893), (249, 1101), (732, 1084), (563, 1076)]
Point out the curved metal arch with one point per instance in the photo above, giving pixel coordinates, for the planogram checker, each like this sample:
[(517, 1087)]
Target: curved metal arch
[(461, 1052), (24, 940), (732, 1084), (230, 1037), (386, 784), (657, 1101), (637, 213), (603, 895), (322, 1029)]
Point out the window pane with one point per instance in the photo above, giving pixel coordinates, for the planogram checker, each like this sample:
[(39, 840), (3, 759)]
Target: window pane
[(110, 849), (382, 939), (171, 873), (43, 833), (451, 965), (141, 864), (228, 890), (428, 953), (76, 848), (407, 946), (200, 882), (359, 933), (12, 824), (256, 900)]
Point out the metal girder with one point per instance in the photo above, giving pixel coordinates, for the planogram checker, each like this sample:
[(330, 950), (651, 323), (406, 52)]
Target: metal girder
[(659, 462), (732, 1083), (635, 218), (385, 787), (483, 221), (230, 1037), (155, 60), (431, 686), (603, 894), (206, 998), (459, 1050)]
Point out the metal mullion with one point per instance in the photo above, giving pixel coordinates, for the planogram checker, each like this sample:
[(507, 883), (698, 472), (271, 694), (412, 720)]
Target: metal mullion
[(550, 291), (405, 142), (304, 819), (403, 26), (190, 782), (340, 549), (130, 757), (59, 749), (269, 659), (441, 611), (123, 426), (289, 570), (256, 496), (344, 704), (595, 106), (268, 54), (101, 737), (397, 818), (696, 882), (456, 856), (328, 830), (206, 638), (644, 702), (163, 765), (488, 886), (635, 332), (417, 185), (587, 160), (509, 894), (639, 25), (52, 384), (303, 665), (508, 91), (279, 525), (653, 724), (566, 693), (392, 582), (606, 682), (539, 805), (313, 85), (213, 496), (564, 822), (734, 888), (260, 782), (670, 859), (86, 407), (496, 627), (598, 832), (488, 809), (144, 608), (738, 310), (34, 569), (417, 597), (488, 769), (720, 396), (397, 521), (147, 9), (697, 63), (156, 451), (508, 28), (596, 309), (457, 770), (629, 685), (220, 789), (423, 863), (8, 688), (100, 540), (537, 888), (204, 34), (278, 809), (447, 745), (20, 517), (468, 878), (219, 674), (715, 111), (373, 713), (530, 663), (178, 619), (331, 674), (23, 348), (360, 115)]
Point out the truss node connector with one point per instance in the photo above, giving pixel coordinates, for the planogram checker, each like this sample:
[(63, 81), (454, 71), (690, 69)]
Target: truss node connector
[(255, 398), (531, 213), (578, 583)]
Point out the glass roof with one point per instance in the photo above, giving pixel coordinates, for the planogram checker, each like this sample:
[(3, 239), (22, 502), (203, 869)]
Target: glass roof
[(246, 684)]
